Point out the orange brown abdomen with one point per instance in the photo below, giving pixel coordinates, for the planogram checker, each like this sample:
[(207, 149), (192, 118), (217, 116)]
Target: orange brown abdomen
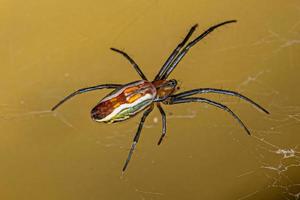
[(124, 102)]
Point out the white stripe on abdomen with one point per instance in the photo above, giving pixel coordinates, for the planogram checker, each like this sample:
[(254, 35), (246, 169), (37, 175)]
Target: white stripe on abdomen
[(126, 105)]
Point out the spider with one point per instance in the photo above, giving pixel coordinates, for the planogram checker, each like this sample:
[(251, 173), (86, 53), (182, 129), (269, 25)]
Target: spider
[(125, 101)]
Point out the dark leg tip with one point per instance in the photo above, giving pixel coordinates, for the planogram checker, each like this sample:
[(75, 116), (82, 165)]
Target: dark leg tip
[(248, 132), (195, 26), (265, 111), (160, 140), (232, 21), (114, 49)]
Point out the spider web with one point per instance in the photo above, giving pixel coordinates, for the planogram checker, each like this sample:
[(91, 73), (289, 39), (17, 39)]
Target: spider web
[(279, 160)]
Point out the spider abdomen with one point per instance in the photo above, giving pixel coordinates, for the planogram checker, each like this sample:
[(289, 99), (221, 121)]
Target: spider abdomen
[(124, 102)]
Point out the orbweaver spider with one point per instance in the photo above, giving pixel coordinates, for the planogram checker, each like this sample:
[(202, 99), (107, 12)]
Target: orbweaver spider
[(125, 101)]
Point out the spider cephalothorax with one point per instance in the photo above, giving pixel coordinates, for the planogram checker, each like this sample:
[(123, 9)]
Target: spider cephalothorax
[(164, 89), (128, 100)]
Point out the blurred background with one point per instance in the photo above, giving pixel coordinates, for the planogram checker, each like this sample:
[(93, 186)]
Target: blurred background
[(50, 48)]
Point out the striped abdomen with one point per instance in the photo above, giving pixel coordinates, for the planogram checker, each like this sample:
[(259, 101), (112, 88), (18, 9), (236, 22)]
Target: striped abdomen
[(124, 102)]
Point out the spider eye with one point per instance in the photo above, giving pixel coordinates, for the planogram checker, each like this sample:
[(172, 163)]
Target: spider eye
[(173, 82)]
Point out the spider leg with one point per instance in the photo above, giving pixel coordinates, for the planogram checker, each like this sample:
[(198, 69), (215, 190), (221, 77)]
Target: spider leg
[(164, 123), (210, 102), (136, 67), (189, 45), (88, 89), (137, 136), (174, 53), (219, 91)]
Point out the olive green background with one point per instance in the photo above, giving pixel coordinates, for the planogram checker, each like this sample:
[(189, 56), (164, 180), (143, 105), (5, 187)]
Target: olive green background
[(51, 48)]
